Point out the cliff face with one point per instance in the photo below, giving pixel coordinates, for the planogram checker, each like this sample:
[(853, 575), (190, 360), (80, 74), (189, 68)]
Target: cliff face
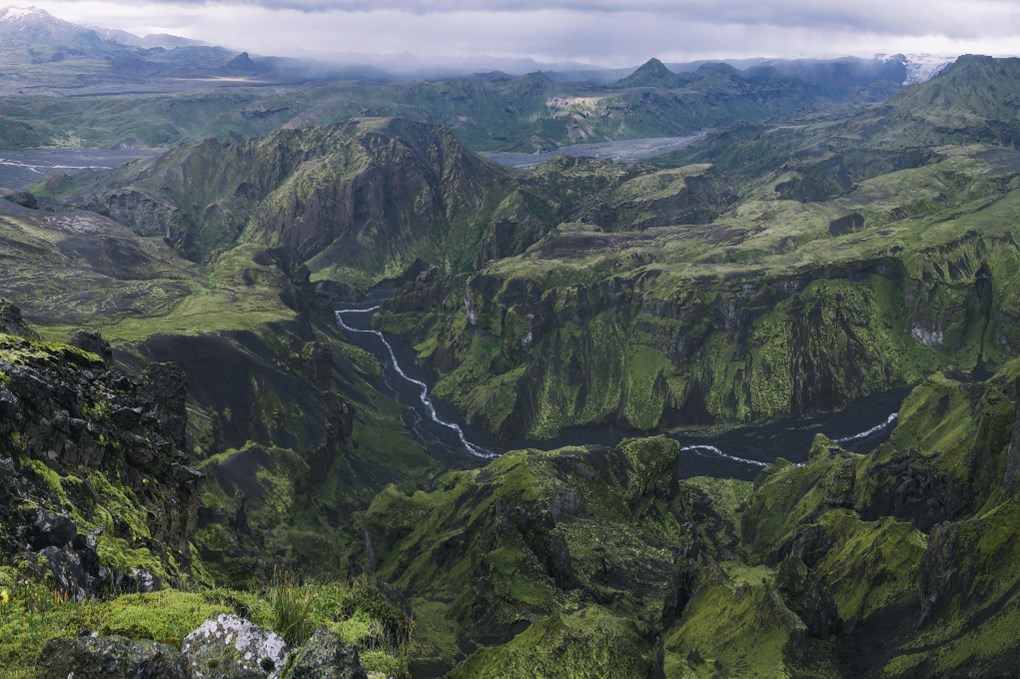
[(98, 494), (847, 565), (367, 199), (708, 350), (361, 199), (766, 311)]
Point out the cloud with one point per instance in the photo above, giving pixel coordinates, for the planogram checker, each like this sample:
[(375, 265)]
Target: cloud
[(602, 32), (906, 17)]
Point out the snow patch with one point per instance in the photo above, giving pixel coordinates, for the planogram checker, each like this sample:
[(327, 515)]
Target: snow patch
[(15, 13), (920, 67), (929, 338)]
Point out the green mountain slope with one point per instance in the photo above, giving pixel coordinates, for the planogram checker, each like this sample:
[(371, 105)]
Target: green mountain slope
[(367, 198), (851, 565), (777, 307), (773, 270), (276, 400)]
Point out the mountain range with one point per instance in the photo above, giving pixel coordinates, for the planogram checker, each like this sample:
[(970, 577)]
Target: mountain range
[(750, 408)]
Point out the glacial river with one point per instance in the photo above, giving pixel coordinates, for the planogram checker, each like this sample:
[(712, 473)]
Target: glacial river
[(625, 150), (20, 168), (741, 452)]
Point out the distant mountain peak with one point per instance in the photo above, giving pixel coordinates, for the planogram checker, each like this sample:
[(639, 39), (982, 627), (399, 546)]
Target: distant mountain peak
[(920, 67), (13, 13), (34, 25), (240, 65), (652, 73)]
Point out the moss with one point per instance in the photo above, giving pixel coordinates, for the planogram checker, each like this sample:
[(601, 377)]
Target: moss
[(591, 642), (742, 630), (167, 616), (384, 664), (873, 566)]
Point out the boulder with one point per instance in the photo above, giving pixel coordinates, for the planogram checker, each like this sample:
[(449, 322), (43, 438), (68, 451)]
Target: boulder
[(24, 199), (94, 343), (47, 529), (12, 323), (229, 647), (326, 656), (93, 657)]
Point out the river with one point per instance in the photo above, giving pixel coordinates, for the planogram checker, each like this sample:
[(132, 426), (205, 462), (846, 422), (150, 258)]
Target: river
[(625, 150), (20, 168), (740, 452)]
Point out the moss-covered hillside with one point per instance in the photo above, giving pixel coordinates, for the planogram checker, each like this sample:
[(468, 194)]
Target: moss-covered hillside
[(789, 301), (598, 562)]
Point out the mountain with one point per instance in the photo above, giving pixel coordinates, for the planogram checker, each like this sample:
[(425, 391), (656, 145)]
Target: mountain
[(31, 25), (653, 73), (369, 197), (753, 407), (239, 65), (163, 40), (578, 348), (38, 28)]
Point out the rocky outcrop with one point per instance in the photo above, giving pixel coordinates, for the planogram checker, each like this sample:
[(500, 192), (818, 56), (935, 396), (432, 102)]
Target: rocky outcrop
[(93, 343), (910, 487), (1012, 473), (223, 647), (326, 656), (806, 596), (939, 579), (93, 456), (11, 322), (89, 656), (229, 647), (689, 563)]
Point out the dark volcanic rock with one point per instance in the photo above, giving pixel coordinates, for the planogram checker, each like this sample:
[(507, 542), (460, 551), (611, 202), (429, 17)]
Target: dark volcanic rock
[(166, 385), (910, 488), (94, 343), (939, 579), (24, 199), (809, 544), (47, 529), (12, 323), (116, 657), (689, 562), (806, 597), (75, 436), (1012, 473), (326, 656)]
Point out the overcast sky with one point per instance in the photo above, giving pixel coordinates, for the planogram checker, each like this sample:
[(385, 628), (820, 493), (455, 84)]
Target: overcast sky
[(601, 32)]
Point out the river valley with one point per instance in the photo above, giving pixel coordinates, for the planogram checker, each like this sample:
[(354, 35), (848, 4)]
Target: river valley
[(20, 168), (739, 452), (625, 150)]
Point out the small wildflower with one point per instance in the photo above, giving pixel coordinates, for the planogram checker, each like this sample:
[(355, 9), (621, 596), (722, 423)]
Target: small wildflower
[(5, 597)]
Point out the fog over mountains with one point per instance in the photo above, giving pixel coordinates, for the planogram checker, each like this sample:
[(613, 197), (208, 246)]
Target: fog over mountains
[(39, 31)]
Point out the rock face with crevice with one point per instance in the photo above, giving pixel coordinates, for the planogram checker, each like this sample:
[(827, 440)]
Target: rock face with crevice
[(97, 491), (90, 656)]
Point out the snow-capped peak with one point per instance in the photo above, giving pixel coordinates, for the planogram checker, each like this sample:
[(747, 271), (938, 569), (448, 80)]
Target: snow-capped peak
[(16, 13), (920, 67)]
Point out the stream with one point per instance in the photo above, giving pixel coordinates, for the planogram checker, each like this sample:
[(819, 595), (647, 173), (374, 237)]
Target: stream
[(740, 452)]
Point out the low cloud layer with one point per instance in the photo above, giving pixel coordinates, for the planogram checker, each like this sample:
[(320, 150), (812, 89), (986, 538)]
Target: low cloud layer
[(591, 31)]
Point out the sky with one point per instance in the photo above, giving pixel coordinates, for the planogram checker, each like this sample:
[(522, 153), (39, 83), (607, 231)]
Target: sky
[(606, 33)]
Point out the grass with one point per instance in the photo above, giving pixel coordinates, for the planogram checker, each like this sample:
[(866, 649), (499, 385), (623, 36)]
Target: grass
[(34, 614)]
